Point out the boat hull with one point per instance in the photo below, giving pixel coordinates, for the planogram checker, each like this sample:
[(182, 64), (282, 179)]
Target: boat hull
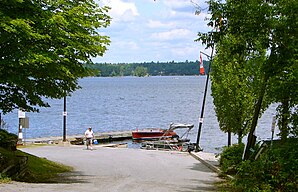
[(152, 134)]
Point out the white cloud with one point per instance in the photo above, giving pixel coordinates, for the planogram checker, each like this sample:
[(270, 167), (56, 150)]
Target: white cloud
[(121, 11), (127, 45), (148, 30), (172, 34), (177, 3), (185, 50), (158, 24)]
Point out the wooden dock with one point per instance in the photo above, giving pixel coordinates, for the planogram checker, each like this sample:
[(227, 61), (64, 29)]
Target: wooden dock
[(79, 139)]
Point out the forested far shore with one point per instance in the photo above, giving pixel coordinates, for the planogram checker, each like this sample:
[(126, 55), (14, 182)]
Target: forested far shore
[(171, 68)]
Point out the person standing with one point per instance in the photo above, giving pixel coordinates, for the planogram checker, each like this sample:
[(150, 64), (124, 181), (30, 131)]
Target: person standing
[(89, 136)]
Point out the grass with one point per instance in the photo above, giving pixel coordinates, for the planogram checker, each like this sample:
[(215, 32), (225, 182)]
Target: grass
[(224, 185), (5, 179), (32, 145), (39, 170)]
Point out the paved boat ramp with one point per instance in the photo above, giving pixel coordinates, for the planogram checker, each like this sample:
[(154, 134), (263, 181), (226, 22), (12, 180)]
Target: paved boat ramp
[(112, 169), (111, 139)]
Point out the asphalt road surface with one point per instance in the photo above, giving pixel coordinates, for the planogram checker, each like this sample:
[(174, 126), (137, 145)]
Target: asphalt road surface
[(120, 170)]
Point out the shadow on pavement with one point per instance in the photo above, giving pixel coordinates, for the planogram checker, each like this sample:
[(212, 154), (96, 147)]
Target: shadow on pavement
[(70, 177), (207, 186), (201, 168)]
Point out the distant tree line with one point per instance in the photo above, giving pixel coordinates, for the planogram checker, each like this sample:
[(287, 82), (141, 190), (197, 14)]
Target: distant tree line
[(171, 68)]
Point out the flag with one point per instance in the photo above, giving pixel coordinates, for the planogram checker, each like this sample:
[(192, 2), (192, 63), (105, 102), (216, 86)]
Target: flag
[(202, 71), (201, 60)]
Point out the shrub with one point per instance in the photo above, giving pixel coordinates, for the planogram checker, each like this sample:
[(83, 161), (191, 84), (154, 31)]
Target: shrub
[(230, 158), (8, 140), (275, 170)]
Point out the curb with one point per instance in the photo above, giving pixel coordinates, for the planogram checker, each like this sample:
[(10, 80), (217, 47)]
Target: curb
[(209, 165)]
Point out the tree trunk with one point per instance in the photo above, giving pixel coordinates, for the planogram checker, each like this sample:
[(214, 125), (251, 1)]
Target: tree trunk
[(251, 137), (284, 121), (240, 136), (229, 138)]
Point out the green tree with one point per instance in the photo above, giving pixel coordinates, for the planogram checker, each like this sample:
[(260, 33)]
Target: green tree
[(232, 87), (259, 26), (140, 71), (284, 86), (43, 47)]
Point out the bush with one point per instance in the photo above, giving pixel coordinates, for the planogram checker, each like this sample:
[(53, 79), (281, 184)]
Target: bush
[(8, 140), (275, 170), (230, 158)]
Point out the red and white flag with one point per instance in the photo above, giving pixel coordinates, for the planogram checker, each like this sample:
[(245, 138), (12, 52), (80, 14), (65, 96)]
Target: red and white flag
[(202, 71)]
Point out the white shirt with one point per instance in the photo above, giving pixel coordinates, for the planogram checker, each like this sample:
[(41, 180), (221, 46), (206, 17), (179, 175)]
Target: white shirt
[(89, 134)]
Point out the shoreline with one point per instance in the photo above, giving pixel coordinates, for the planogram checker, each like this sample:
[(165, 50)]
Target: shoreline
[(102, 137)]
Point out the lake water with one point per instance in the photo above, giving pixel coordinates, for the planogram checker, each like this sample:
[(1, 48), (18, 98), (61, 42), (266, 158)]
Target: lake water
[(126, 103)]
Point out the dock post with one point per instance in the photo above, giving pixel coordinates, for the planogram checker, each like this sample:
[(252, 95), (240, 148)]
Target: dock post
[(64, 120)]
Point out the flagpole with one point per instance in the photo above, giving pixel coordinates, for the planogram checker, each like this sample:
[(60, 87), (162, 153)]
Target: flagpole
[(202, 71), (198, 148)]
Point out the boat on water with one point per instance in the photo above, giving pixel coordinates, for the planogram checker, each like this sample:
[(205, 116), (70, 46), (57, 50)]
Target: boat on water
[(177, 143), (152, 134)]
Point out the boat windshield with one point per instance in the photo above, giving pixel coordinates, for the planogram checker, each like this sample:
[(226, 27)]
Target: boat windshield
[(181, 126)]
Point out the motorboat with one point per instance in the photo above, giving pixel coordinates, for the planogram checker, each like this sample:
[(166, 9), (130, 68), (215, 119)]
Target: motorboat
[(176, 143), (152, 134)]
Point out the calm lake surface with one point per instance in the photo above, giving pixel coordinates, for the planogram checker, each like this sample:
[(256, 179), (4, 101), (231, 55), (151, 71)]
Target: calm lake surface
[(126, 103)]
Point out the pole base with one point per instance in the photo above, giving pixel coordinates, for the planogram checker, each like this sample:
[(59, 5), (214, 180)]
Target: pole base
[(64, 143), (198, 149)]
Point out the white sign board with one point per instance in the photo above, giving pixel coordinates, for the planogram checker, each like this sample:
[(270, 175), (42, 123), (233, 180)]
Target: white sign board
[(201, 120), (21, 114)]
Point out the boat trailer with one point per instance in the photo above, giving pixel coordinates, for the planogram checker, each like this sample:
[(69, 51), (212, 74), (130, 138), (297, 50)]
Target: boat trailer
[(176, 143)]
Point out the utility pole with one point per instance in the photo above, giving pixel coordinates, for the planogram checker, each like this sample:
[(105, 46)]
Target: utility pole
[(198, 148)]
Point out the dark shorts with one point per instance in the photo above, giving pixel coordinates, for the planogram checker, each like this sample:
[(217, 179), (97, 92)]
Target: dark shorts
[(88, 141)]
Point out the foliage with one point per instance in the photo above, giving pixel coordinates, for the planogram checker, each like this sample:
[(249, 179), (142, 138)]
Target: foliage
[(256, 48), (7, 140), (4, 179), (284, 84), (43, 46), (276, 169), (234, 86), (237, 73), (5, 135), (153, 69), (39, 170), (230, 158), (140, 71), (42, 170), (251, 177), (294, 120)]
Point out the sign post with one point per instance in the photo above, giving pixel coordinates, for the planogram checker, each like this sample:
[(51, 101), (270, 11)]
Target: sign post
[(23, 123), (64, 120)]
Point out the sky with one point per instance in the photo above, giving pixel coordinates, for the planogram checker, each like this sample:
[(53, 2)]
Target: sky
[(148, 30)]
